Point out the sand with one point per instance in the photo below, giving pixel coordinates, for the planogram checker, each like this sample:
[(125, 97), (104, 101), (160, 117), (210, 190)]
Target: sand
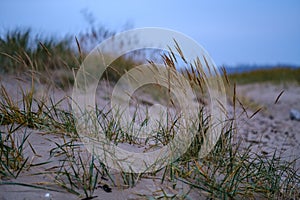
[(268, 130), (272, 129)]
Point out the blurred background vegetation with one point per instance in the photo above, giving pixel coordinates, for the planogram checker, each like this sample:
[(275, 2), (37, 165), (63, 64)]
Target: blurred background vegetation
[(22, 50), (276, 74)]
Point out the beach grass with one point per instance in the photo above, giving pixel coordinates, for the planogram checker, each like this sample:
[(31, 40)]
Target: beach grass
[(227, 172)]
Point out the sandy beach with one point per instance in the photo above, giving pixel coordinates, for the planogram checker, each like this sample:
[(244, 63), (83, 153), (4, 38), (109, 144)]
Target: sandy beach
[(272, 128), (269, 130)]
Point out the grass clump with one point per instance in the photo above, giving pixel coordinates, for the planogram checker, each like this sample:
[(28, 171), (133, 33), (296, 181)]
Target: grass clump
[(78, 171), (12, 158), (229, 173)]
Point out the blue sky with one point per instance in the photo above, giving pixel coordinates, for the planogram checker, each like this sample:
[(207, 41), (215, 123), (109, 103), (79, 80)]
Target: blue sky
[(232, 31)]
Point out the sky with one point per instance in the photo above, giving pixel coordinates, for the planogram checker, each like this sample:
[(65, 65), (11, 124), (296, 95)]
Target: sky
[(234, 32)]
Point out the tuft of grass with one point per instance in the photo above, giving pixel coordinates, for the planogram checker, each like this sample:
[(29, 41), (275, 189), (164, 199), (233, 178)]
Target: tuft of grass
[(12, 146), (240, 175), (34, 113), (78, 171), (22, 112)]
